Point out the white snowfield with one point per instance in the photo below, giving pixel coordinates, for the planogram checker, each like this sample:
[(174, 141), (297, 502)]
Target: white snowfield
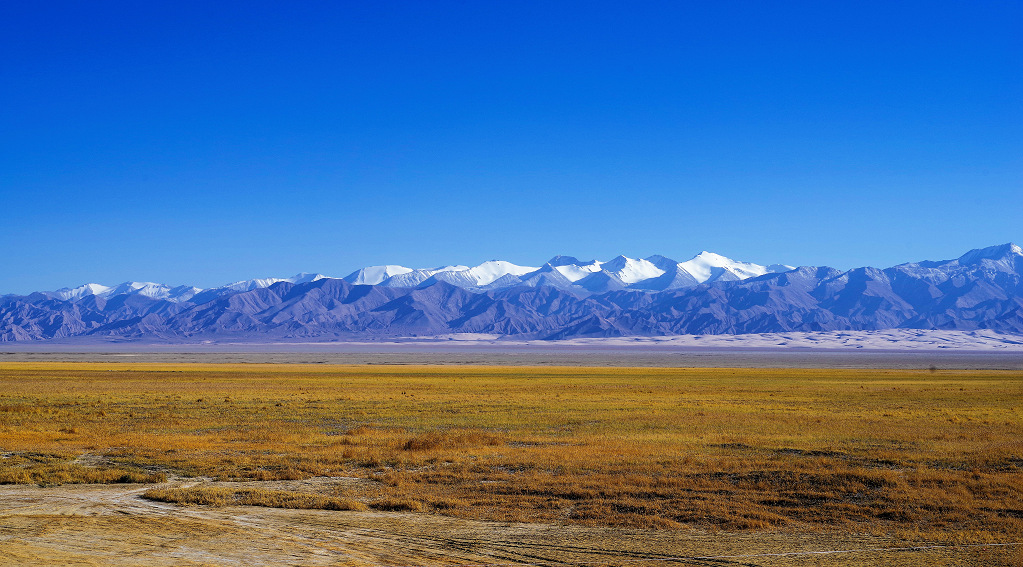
[(373, 275), (575, 272), (702, 268), (490, 271), (148, 289), (891, 339), (82, 291), (632, 271), (708, 265), (163, 291), (248, 285)]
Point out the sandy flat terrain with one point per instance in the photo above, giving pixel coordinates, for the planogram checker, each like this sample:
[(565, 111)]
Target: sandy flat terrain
[(836, 349), (113, 525), (695, 358)]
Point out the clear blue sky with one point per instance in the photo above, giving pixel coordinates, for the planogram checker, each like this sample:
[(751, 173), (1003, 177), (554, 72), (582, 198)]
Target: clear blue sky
[(206, 142)]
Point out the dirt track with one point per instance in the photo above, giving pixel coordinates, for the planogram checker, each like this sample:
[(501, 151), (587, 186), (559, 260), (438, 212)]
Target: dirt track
[(113, 525)]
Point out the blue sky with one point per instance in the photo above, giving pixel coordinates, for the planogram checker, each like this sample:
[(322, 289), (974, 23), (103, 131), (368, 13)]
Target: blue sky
[(203, 143)]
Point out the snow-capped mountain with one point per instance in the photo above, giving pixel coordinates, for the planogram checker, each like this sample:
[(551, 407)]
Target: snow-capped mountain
[(174, 294), (655, 273), (373, 275), (564, 298), (461, 276), (73, 293), (708, 266), (258, 283), (146, 289)]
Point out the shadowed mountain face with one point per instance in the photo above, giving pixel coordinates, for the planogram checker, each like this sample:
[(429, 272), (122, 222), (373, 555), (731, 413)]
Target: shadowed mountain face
[(983, 289)]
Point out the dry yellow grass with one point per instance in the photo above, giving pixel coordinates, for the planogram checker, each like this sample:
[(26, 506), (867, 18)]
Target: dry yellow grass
[(934, 455), (46, 469), (220, 496)]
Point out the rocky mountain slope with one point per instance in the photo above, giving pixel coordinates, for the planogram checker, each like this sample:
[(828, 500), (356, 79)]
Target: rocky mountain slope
[(565, 298)]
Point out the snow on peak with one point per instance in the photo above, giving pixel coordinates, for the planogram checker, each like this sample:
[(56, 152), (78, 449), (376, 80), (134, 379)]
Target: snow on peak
[(146, 289), (374, 275), (560, 260), (463, 276), (492, 270), (1000, 252), (68, 293), (708, 266), (701, 266), (259, 283), (576, 272), (305, 277), (631, 271), (249, 285), (704, 267)]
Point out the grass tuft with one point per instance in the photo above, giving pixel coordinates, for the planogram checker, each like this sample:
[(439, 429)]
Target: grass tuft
[(50, 469), (221, 496)]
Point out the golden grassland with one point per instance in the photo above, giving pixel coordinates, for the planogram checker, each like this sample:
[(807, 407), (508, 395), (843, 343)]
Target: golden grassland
[(934, 455), (220, 496)]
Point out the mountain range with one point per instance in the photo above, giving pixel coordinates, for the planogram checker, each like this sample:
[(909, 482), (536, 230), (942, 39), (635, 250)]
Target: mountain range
[(564, 298), (655, 273)]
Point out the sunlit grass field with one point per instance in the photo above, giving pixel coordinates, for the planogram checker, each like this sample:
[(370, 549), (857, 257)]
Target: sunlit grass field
[(935, 454)]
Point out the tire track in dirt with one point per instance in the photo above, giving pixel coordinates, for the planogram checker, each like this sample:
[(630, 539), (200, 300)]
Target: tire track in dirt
[(114, 525)]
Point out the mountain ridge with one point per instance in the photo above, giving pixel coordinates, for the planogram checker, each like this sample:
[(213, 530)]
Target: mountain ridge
[(982, 289), (491, 274)]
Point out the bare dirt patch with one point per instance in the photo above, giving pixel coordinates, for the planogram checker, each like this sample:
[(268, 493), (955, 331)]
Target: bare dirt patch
[(113, 525)]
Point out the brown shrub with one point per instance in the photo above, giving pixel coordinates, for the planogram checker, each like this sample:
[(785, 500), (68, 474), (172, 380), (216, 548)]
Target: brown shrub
[(397, 505)]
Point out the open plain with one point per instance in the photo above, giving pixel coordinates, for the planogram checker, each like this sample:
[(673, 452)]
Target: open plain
[(185, 463)]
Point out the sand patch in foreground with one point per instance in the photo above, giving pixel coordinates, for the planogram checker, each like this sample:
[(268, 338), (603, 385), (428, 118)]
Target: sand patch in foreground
[(112, 525)]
